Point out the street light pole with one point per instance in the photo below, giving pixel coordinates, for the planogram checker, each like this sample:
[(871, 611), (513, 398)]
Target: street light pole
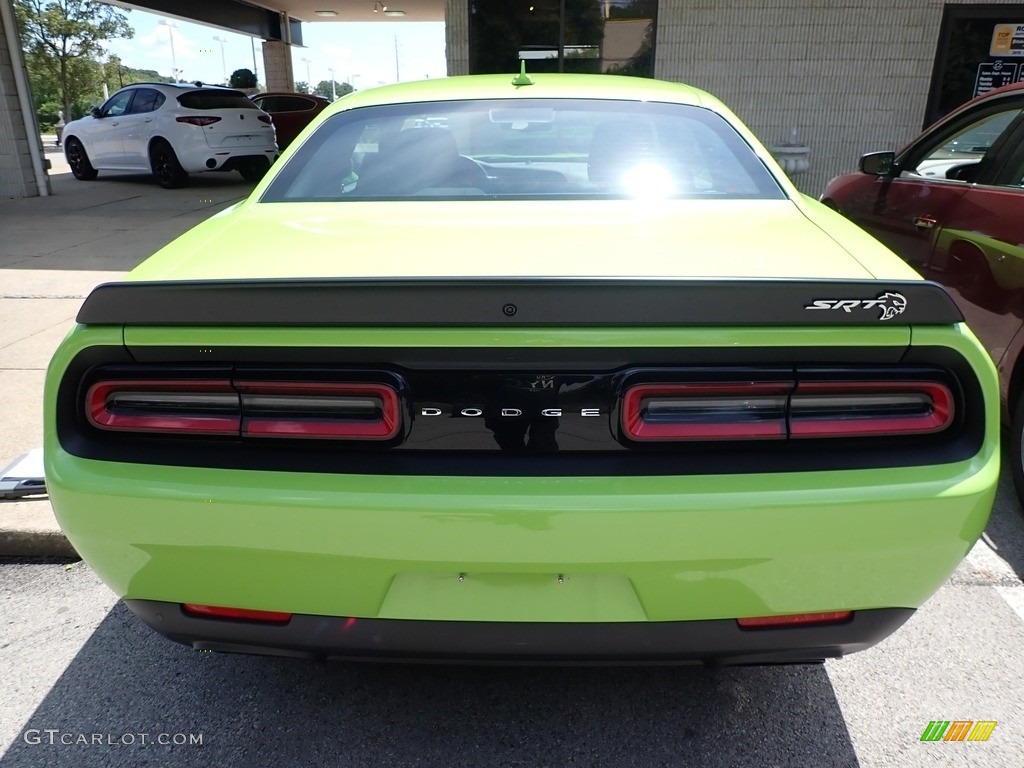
[(334, 92), (171, 26), (223, 61), (309, 78)]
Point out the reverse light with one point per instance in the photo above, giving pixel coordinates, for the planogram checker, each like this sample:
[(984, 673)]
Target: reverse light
[(196, 407), (320, 410), (869, 408), (795, 620), (201, 120), (239, 614), (706, 411)]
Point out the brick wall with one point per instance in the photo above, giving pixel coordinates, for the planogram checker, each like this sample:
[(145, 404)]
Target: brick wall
[(850, 76), (16, 176)]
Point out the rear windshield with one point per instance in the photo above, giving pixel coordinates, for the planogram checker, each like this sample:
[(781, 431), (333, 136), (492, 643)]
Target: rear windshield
[(215, 99), (524, 149)]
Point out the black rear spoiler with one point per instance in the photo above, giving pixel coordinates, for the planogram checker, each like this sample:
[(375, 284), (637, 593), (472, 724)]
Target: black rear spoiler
[(519, 302)]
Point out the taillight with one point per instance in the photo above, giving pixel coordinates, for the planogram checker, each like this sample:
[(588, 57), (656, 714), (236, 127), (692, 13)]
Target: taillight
[(869, 409), (319, 410), (201, 120), (795, 620), (759, 410), (239, 614), (188, 407), (703, 411), (299, 409), (264, 119)]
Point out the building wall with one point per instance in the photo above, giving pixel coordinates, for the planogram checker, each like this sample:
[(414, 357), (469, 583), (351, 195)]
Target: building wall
[(456, 36), (849, 77), (17, 178)]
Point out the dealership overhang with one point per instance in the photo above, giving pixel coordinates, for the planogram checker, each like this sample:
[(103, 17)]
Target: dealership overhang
[(820, 83)]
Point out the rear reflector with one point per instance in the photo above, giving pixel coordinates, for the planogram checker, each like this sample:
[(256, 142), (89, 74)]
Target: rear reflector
[(795, 620), (703, 411), (301, 409), (201, 120), (320, 410), (240, 614), (208, 407)]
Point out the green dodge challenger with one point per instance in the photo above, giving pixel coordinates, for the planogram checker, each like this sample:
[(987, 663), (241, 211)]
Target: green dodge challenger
[(552, 368)]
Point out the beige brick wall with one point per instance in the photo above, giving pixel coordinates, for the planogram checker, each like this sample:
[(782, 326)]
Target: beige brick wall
[(850, 76), (16, 176), (456, 33)]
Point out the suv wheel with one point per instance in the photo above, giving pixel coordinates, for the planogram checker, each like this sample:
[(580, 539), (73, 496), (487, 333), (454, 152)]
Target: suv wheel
[(254, 170), (1017, 448), (166, 168), (79, 160)]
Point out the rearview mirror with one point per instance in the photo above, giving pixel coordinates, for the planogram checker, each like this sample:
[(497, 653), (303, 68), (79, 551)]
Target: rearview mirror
[(878, 163)]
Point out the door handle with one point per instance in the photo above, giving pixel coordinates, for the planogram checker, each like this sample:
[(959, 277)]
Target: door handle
[(925, 222), (148, 120)]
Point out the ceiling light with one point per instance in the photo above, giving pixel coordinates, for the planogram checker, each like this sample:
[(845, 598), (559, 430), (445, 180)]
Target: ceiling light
[(326, 13), (380, 8)]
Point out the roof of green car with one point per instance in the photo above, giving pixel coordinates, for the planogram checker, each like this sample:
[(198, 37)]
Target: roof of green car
[(544, 86)]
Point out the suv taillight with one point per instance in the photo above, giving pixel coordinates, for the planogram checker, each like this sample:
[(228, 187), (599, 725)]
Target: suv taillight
[(201, 120)]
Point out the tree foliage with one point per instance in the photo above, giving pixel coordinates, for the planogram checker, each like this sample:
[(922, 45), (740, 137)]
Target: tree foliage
[(242, 78), (323, 88), (62, 41)]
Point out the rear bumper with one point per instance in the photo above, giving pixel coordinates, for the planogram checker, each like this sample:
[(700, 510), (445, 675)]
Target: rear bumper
[(719, 642)]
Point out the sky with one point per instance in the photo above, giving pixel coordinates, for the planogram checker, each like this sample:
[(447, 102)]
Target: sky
[(360, 53)]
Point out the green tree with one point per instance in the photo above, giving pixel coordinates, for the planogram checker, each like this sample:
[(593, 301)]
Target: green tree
[(242, 78), (301, 86), (62, 40), (323, 88)]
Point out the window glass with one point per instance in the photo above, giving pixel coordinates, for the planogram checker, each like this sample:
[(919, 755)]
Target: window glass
[(220, 98), (292, 104), (117, 104), (957, 156), (524, 149), (146, 100), (599, 36)]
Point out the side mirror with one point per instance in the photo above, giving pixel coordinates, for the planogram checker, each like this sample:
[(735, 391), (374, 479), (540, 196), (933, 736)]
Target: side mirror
[(95, 112), (878, 163)]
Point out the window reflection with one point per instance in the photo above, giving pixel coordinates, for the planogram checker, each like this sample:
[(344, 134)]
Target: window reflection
[(592, 36)]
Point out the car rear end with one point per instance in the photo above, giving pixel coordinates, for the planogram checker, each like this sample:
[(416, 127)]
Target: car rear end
[(518, 416), (659, 487), (219, 129)]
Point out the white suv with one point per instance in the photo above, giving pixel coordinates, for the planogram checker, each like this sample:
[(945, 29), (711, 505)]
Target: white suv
[(172, 129)]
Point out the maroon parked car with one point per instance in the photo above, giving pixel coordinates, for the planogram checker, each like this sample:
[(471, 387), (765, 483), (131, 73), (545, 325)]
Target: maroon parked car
[(951, 203), (291, 112)]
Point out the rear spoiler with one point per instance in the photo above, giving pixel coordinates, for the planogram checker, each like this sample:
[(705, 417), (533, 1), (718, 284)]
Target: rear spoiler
[(519, 302)]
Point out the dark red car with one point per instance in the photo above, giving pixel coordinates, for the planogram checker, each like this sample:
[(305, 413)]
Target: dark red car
[(291, 112), (951, 203)]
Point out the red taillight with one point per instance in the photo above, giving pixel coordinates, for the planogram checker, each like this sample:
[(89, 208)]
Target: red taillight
[(777, 410), (201, 120), (320, 410), (869, 408), (706, 411), (207, 407), (264, 119), (299, 409), (795, 620), (240, 614)]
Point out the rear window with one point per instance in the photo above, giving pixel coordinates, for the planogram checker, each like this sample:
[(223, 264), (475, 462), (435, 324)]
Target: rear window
[(524, 149), (215, 99)]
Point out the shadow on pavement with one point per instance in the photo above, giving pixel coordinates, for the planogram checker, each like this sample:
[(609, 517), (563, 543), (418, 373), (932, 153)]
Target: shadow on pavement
[(1005, 529), (265, 711)]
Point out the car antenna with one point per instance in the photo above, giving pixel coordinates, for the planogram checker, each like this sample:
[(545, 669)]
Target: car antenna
[(522, 78)]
